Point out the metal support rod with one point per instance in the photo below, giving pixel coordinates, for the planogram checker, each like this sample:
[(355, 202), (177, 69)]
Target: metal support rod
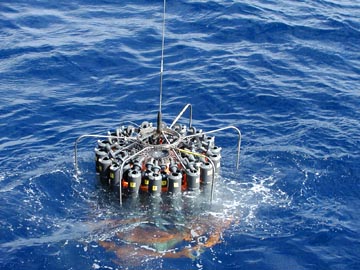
[(221, 129), (127, 147), (162, 57), (172, 149), (181, 113)]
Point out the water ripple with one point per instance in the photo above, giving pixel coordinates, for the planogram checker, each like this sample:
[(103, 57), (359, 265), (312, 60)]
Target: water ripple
[(286, 73)]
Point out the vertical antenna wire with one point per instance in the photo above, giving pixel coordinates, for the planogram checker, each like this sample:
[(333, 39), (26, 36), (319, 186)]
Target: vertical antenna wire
[(162, 57)]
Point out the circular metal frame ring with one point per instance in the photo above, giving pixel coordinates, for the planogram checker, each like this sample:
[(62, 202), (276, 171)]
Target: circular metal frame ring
[(164, 145)]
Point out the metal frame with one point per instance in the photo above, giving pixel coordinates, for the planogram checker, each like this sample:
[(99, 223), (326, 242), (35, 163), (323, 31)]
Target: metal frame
[(169, 146)]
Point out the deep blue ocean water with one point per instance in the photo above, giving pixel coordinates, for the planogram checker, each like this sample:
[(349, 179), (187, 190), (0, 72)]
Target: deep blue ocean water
[(287, 73)]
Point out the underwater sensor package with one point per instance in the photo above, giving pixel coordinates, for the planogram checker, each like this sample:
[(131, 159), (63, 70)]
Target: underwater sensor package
[(144, 159)]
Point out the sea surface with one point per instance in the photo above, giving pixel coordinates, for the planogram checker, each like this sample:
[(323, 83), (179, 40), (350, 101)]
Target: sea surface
[(286, 73)]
